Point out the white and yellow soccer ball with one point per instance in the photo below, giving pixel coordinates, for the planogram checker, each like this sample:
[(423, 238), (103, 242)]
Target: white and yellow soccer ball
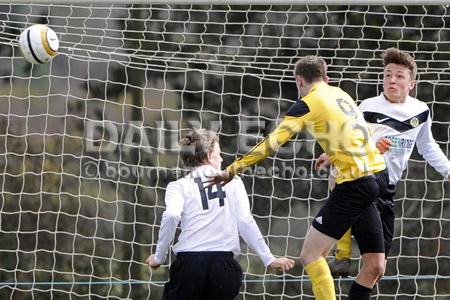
[(39, 44)]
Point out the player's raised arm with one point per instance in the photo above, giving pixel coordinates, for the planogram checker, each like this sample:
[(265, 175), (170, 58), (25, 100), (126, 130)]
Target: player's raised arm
[(288, 127)]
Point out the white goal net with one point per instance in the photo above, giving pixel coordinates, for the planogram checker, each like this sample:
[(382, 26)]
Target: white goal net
[(88, 142)]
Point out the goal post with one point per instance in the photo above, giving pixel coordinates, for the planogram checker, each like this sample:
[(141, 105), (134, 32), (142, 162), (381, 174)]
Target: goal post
[(248, 2), (89, 141)]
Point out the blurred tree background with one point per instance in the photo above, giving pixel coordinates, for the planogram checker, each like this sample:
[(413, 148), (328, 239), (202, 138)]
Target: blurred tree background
[(89, 142)]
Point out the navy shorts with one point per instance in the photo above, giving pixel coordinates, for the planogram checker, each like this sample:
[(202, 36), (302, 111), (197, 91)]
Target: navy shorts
[(362, 229), (347, 202), (203, 275)]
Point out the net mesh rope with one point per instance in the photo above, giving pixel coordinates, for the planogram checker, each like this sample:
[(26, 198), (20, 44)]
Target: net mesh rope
[(89, 142)]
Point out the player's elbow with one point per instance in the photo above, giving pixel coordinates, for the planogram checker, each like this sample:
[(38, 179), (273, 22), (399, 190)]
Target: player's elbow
[(427, 148), (171, 216), (244, 224)]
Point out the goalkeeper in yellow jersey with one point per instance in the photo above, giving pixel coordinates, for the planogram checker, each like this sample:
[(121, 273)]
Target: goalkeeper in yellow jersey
[(398, 122), (333, 118)]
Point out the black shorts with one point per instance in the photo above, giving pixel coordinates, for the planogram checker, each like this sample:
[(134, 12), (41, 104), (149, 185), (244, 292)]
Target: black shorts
[(361, 230), (347, 202), (203, 275)]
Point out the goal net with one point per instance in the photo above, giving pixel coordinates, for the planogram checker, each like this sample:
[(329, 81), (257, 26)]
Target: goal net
[(88, 142)]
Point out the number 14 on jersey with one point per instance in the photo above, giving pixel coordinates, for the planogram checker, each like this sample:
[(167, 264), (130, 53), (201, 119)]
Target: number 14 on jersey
[(211, 195)]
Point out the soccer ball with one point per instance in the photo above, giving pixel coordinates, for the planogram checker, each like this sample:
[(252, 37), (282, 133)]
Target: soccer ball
[(39, 44)]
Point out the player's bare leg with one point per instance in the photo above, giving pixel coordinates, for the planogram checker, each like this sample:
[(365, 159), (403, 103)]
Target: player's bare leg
[(373, 267)]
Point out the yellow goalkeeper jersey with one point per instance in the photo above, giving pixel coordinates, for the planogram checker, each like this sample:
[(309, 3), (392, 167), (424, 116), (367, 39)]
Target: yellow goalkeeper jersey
[(335, 121)]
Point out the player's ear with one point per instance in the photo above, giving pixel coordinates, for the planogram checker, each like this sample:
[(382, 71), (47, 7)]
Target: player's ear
[(326, 78), (412, 85), (208, 159), (298, 81), (302, 81)]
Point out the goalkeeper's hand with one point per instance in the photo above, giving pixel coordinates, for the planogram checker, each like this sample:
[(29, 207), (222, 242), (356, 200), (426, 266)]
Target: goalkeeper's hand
[(383, 145), (223, 178), (322, 162)]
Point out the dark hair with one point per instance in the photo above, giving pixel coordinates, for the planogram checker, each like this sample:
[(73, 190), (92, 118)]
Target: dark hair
[(196, 145), (396, 56), (311, 68)]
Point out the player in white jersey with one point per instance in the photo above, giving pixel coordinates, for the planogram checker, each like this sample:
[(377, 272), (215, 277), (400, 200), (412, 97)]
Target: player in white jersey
[(398, 122), (211, 221)]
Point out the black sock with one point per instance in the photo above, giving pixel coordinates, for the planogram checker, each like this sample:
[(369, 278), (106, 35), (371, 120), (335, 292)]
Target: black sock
[(359, 292)]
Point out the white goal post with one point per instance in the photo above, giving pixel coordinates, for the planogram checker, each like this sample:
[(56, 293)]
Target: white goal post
[(89, 141), (248, 2)]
